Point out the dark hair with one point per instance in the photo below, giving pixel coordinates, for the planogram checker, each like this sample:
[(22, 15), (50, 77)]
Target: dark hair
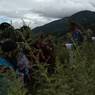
[(8, 45)]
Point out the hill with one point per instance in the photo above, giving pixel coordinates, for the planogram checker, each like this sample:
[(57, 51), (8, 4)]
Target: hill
[(84, 18)]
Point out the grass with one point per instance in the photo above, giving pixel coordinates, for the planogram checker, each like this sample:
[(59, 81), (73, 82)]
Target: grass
[(10, 85), (74, 74)]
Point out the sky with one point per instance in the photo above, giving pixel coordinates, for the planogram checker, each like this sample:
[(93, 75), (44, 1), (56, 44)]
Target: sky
[(39, 12)]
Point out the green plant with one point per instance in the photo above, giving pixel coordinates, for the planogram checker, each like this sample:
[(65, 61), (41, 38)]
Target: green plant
[(10, 85)]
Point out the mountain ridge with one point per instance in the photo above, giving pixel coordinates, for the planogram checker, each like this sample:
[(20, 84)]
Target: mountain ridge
[(85, 18)]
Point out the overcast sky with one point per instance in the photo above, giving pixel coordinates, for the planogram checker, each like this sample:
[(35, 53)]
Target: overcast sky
[(39, 12)]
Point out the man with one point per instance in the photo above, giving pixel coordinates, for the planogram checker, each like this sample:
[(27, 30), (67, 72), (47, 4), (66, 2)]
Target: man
[(76, 31), (9, 54), (14, 59), (7, 64)]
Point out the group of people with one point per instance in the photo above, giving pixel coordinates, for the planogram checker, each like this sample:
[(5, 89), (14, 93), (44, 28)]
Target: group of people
[(21, 60)]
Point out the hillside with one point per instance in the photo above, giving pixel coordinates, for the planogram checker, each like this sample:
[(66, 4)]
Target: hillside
[(84, 18)]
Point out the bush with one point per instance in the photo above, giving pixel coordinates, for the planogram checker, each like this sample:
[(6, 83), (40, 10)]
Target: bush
[(10, 85), (75, 78)]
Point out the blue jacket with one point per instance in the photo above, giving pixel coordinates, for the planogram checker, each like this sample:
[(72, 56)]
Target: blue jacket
[(5, 63)]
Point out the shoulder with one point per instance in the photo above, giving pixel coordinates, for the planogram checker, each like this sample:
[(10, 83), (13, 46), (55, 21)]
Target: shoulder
[(22, 59), (3, 62)]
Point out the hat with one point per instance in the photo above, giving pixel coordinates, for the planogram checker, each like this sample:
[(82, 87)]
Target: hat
[(8, 45)]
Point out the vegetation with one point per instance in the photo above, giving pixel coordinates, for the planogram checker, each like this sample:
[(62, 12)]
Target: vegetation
[(10, 85), (84, 18), (73, 76), (74, 73)]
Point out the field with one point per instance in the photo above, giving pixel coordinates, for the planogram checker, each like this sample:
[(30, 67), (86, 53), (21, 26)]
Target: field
[(73, 74)]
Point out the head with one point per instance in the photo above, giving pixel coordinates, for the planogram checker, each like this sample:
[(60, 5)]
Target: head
[(9, 48), (73, 26)]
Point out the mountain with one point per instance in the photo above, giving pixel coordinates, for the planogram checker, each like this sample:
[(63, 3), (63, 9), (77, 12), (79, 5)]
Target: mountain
[(84, 18)]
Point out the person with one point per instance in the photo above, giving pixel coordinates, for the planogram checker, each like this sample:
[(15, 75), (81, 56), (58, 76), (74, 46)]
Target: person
[(6, 67), (9, 53), (23, 66), (76, 32), (7, 31), (39, 46), (14, 59)]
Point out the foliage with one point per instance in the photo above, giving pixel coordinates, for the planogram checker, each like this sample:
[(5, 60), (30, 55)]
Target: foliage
[(72, 74), (73, 78), (10, 85)]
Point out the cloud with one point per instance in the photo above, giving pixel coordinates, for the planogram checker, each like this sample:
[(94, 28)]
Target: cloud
[(62, 8), (39, 12), (31, 20)]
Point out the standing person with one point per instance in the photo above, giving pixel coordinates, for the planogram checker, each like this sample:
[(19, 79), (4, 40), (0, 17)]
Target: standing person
[(23, 66), (76, 31), (12, 58), (7, 64), (39, 46), (9, 54)]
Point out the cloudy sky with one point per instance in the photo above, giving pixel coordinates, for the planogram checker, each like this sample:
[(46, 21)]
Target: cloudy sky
[(38, 12)]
